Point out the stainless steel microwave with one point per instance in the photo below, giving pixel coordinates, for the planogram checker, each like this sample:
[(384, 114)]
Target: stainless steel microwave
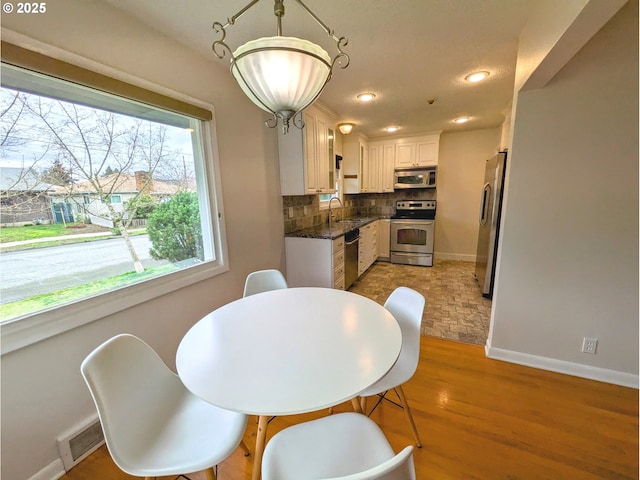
[(415, 177)]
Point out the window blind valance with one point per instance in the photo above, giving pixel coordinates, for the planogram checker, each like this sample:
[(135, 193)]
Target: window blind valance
[(37, 62)]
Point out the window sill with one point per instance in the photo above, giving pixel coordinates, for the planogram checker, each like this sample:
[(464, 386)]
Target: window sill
[(22, 332)]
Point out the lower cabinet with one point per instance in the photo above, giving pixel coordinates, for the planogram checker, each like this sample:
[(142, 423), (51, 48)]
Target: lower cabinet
[(368, 246), (384, 238), (315, 262)]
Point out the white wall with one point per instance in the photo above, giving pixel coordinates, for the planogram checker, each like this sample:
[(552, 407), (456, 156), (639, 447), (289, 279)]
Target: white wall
[(568, 264), (461, 168), (42, 391)]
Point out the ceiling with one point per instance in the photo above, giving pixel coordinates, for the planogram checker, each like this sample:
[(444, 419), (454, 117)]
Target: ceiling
[(407, 52)]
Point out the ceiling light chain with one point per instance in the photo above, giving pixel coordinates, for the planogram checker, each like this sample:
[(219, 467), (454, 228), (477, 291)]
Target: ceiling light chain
[(261, 68)]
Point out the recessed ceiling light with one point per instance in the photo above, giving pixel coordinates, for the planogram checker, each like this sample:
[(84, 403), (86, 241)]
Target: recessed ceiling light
[(392, 129), (476, 76), (366, 97), (462, 119)]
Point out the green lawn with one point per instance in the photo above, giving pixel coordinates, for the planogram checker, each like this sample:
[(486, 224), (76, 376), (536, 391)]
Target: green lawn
[(16, 234), (71, 294)]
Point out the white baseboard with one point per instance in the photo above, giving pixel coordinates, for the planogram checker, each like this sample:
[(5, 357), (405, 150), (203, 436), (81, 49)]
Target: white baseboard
[(454, 256), (561, 366), (53, 471)]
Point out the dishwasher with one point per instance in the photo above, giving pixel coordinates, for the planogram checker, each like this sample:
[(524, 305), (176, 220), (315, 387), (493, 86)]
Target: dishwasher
[(351, 240)]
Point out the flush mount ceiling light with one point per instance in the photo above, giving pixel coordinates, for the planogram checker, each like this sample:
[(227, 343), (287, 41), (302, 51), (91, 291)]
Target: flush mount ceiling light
[(476, 76), (392, 129), (366, 97), (345, 128), (462, 120), (281, 75)]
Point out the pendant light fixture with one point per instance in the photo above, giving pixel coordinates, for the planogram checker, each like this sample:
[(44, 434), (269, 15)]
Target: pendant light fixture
[(281, 75)]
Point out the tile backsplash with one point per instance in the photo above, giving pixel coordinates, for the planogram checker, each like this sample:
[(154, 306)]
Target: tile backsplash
[(303, 211)]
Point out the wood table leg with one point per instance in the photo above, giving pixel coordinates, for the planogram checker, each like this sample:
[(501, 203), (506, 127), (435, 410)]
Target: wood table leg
[(244, 448), (355, 401), (261, 435), (210, 473)]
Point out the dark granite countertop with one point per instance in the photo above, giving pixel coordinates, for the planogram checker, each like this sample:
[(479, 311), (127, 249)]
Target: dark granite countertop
[(338, 228)]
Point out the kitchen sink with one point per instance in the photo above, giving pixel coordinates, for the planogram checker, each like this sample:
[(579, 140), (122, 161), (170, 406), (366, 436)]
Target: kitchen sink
[(353, 221)]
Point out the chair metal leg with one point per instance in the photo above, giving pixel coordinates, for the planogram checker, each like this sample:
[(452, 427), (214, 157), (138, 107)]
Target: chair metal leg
[(407, 412), (381, 396)]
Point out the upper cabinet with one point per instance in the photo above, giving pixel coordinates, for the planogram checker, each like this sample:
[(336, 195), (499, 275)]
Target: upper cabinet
[(382, 159), (417, 151), (306, 156), (355, 164)]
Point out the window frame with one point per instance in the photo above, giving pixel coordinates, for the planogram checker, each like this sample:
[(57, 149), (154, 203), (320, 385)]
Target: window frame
[(23, 331)]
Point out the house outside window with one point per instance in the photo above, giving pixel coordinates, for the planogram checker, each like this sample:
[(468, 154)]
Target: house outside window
[(138, 179)]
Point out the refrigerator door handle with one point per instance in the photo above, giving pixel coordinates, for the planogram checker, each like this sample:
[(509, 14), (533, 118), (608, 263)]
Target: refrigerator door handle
[(484, 204)]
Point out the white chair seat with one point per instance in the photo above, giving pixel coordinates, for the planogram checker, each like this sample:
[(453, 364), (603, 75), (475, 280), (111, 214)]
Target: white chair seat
[(345, 446), (153, 426)]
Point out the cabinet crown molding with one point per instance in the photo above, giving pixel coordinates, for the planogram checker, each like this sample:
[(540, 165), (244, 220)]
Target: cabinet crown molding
[(413, 137)]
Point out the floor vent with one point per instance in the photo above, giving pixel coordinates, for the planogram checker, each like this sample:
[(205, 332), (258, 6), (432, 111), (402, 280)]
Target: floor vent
[(78, 443)]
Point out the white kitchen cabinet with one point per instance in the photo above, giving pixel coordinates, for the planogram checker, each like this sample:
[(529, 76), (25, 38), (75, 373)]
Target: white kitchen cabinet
[(367, 246), (387, 167), (355, 164), (417, 151), (315, 262), (427, 151), (405, 154), (382, 157), (306, 166), (371, 170), (384, 238)]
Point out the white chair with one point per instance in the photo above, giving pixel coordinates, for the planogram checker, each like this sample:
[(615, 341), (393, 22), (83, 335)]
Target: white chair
[(344, 446), (407, 306), (153, 426), (263, 281)]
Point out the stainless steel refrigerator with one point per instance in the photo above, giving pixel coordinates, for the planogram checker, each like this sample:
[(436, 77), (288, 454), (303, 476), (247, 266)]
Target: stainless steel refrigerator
[(490, 211)]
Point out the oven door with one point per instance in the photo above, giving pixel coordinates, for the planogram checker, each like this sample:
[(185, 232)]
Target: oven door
[(412, 235)]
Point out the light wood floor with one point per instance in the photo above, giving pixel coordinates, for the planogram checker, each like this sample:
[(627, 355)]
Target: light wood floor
[(482, 419)]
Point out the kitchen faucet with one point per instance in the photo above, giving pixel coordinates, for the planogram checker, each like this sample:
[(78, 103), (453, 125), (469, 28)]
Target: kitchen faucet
[(341, 205)]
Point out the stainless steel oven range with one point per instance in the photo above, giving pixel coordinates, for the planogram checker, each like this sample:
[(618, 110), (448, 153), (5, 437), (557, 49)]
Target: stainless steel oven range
[(412, 230)]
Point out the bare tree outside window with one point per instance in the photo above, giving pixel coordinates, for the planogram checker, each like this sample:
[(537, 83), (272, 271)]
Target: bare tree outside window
[(22, 190), (100, 166), (99, 152)]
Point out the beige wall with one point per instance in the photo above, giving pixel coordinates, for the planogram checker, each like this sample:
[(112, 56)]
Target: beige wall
[(460, 178), (568, 256), (43, 394)]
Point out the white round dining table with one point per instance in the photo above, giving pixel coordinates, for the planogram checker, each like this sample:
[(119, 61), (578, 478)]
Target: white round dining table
[(288, 351)]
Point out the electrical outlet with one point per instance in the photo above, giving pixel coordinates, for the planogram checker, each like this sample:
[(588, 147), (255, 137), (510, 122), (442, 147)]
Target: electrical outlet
[(589, 345)]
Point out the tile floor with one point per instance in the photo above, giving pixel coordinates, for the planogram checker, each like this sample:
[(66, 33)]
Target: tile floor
[(455, 309)]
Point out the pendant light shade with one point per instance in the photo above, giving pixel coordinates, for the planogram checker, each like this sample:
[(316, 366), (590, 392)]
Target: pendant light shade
[(281, 75)]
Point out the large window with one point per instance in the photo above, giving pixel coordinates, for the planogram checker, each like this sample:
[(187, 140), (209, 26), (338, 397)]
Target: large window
[(98, 194)]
